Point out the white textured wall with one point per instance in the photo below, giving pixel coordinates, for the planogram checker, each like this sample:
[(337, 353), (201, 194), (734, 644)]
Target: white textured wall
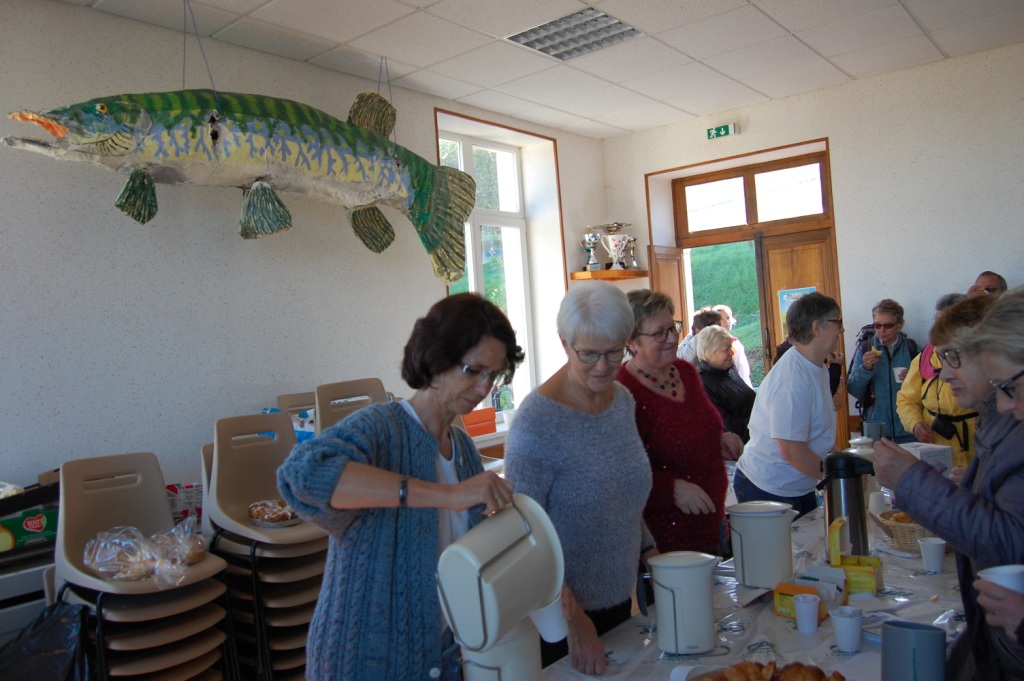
[(119, 337), (927, 172)]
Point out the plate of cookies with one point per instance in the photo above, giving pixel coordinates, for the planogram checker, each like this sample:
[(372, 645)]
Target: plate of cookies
[(272, 513)]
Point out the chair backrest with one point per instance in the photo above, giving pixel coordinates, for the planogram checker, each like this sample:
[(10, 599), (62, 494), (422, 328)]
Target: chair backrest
[(335, 401), (293, 403), (206, 459), (247, 451), (102, 492)]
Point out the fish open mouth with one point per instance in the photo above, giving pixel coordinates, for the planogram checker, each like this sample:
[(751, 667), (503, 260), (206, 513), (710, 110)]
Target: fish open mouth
[(52, 127)]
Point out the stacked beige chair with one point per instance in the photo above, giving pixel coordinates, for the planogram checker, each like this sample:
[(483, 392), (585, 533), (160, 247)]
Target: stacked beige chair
[(140, 631), (273, 575), (335, 401)]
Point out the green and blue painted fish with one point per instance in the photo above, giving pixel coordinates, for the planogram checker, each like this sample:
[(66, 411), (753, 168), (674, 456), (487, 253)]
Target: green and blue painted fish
[(264, 145)]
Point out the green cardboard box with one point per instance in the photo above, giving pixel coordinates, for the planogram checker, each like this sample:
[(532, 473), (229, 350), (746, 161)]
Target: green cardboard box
[(36, 525)]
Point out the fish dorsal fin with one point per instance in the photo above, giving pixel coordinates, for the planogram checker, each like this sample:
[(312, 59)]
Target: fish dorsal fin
[(373, 112), (372, 228)]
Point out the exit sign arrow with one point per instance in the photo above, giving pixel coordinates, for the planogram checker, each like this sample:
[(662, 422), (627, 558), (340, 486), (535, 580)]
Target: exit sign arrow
[(721, 131)]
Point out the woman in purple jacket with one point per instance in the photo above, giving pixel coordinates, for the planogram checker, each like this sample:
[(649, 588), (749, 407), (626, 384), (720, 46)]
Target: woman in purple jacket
[(983, 516)]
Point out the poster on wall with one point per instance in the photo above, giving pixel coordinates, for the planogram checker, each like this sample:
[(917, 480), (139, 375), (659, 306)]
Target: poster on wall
[(786, 298)]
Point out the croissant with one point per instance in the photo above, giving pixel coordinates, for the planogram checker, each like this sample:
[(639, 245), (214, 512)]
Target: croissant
[(755, 671), (797, 671)]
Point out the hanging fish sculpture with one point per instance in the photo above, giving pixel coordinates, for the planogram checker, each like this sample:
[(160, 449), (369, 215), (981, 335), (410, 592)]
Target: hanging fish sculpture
[(264, 145)]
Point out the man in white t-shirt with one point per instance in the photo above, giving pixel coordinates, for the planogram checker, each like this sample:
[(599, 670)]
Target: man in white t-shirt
[(793, 423)]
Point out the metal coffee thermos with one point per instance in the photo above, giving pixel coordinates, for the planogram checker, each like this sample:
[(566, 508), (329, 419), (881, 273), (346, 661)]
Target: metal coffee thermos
[(844, 497)]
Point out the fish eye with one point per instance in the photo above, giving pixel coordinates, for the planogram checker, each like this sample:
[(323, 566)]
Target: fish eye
[(101, 108)]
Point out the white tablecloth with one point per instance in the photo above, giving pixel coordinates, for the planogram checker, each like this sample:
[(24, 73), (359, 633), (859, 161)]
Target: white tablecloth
[(755, 633)]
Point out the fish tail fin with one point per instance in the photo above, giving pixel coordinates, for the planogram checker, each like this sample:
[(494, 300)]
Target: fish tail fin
[(263, 212), (441, 224), (137, 199), (372, 228)]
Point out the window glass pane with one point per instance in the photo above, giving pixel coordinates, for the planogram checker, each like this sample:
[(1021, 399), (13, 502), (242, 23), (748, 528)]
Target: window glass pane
[(788, 193), (715, 204), (503, 285), (497, 187), (451, 153)]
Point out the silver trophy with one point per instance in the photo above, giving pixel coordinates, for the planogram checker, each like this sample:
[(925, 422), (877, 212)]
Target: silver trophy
[(631, 263), (589, 243)]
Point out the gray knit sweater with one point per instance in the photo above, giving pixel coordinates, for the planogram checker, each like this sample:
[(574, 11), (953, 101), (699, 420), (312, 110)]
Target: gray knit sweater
[(591, 474), (378, 616)]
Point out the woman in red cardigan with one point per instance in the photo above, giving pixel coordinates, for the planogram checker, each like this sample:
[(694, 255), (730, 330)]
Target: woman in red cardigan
[(681, 430)]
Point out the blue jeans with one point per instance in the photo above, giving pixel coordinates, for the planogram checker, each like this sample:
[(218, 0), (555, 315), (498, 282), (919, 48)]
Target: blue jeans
[(748, 491)]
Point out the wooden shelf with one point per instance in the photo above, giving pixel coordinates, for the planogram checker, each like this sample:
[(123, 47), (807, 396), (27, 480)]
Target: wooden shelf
[(609, 274)]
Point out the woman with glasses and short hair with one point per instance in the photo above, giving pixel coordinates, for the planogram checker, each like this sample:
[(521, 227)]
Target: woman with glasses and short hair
[(793, 423), (392, 485), (681, 431), (575, 449), (982, 517), (879, 367)]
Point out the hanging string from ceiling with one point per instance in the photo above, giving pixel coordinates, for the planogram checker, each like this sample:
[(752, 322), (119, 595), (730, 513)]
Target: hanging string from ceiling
[(186, 7)]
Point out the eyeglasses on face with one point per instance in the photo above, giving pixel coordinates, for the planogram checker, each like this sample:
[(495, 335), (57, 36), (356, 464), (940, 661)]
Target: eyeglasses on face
[(838, 320), (950, 357), (883, 325), (593, 356), (661, 335), (1007, 387), (483, 377)]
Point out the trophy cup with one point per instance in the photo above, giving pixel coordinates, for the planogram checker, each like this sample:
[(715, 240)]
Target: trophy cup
[(589, 243), (615, 243), (631, 263)]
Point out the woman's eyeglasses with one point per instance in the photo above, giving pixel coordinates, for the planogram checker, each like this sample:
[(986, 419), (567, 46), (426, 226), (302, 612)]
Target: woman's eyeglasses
[(661, 335), (950, 357), (883, 325), (496, 379), (1007, 387), (593, 356)]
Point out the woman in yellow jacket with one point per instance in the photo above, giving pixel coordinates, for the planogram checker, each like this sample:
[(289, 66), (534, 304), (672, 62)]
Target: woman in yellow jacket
[(928, 406)]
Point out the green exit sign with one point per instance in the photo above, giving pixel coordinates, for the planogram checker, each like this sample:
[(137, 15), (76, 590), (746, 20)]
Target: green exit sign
[(721, 131)]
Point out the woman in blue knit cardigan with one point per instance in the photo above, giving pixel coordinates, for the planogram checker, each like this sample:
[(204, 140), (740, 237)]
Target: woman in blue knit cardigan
[(393, 485)]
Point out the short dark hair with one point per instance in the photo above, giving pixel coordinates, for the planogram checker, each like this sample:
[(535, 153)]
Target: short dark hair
[(707, 318), (948, 300), (452, 327), (807, 309), (1002, 282)]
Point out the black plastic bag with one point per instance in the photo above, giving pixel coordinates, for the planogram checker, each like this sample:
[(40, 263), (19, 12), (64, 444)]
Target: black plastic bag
[(52, 646)]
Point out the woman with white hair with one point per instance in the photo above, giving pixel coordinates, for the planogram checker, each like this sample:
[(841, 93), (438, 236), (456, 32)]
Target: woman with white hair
[(733, 398), (740, 362), (982, 517), (575, 449)]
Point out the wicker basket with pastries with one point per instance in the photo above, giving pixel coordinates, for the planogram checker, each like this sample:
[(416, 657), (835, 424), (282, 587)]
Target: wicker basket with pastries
[(755, 671), (902, 530)]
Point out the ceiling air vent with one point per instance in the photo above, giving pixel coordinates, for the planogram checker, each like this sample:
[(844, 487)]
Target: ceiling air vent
[(575, 35)]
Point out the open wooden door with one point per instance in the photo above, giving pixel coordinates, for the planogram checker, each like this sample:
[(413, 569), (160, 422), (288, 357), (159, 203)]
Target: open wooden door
[(799, 261), (668, 277)]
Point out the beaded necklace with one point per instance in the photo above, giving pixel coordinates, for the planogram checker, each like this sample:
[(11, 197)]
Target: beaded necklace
[(668, 385)]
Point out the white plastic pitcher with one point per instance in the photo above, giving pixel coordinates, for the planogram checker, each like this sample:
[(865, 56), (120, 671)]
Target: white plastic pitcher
[(682, 591), (762, 542)]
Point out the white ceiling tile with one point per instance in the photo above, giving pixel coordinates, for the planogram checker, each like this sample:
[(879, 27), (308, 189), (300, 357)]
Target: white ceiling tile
[(773, 55), (236, 6), (357, 63), (699, 90), (795, 78), (337, 21), (551, 85), (502, 18), (548, 116), (653, 16), (420, 39), (598, 130), (800, 15), (273, 39), (859, 32), (492, 100), (723, 33), (601, 102), (630, 59), (893, 56), (936, 14), (651, 115), (169, 14), (983, 34), (436, 84), (495, 63), (80, 3)]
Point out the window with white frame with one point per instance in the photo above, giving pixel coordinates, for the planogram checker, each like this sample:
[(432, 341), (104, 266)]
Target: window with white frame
[(496, 260)]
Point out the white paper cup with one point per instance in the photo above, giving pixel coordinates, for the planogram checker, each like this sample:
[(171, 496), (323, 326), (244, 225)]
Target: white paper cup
[(1010, 576), (878, 503), (933, 553), (806, 607), (899, 373), (550, 621), (846, 623)]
